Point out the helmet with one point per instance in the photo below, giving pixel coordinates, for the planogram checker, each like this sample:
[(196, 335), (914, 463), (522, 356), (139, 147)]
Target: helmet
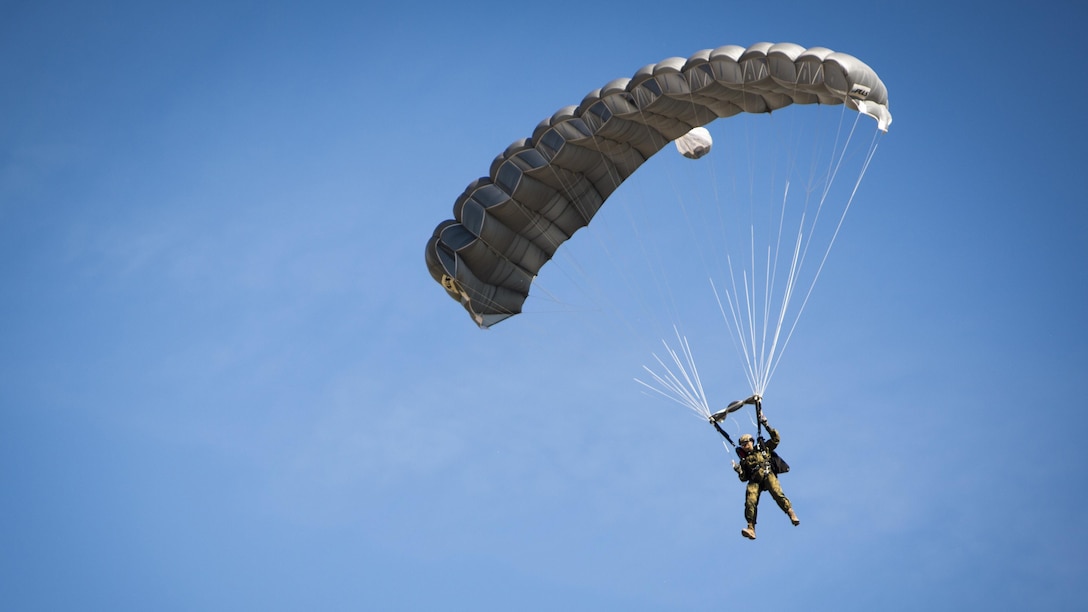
[(746, 438)]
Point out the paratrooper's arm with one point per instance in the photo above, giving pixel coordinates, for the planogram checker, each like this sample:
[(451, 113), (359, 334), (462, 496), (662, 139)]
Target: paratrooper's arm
[(739, 469), (775, 438)]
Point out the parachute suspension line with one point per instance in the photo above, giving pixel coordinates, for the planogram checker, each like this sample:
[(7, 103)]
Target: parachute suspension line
[(853, 192), (538, 223), (750, 300), (768, 357), (736, 313), (757, 315), (651, 259), (772, 281), (570, 192), (763, 330), (651, 286), (686, 388), (635, 287), (791, 146), (737, 338), (665, 289), (802, 242), (741, 318)]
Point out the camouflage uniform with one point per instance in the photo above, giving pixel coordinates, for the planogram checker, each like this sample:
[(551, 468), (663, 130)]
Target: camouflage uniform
[(755, 469)]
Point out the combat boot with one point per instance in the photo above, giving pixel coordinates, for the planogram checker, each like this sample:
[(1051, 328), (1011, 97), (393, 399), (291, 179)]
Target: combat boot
[(793, 518), (750, 532)]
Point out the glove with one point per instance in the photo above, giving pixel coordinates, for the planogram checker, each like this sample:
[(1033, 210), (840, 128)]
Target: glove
[(763, 419)]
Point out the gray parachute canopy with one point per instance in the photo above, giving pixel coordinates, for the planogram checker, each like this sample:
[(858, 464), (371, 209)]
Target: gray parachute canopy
[(541, 190)]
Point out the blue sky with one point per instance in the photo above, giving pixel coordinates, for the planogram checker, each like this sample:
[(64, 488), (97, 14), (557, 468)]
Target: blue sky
[(228, 382)]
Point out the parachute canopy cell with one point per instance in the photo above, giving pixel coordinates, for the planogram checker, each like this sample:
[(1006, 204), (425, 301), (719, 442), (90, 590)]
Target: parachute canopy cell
[(541, 190)]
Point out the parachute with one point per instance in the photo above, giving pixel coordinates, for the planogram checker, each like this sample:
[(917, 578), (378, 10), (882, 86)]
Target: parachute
[(544, 188)]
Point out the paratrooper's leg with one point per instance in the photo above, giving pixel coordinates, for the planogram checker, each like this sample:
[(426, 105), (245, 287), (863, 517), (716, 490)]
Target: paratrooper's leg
[(775, 490), (751, 507)]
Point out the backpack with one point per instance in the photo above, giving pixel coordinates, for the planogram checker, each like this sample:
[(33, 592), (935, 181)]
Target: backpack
[(778, 464)]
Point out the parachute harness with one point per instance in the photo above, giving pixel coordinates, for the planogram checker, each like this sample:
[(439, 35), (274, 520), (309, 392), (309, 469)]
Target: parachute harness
[(773, 464)]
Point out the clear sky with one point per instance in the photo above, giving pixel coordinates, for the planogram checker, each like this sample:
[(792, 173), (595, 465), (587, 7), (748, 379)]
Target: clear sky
[(228, 382)]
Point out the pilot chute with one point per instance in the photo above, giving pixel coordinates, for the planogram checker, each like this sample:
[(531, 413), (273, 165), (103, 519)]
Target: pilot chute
[(695, 143)]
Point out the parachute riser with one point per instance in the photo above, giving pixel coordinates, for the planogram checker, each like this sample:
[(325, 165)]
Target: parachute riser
[(759, 419), (720, 415)]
